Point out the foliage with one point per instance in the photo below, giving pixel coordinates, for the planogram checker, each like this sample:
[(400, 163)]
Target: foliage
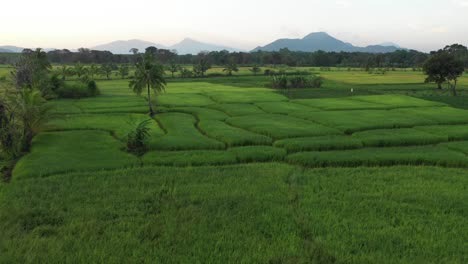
[(443, 67), (137, 138), (31, 70), (78, 90), (123, 71), (106, 70), (285, 82), (149, 75), (173, 68), (230, 68)]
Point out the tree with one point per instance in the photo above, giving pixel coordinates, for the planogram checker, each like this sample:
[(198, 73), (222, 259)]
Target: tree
[(79, 70), (443, 67), (173, 68), (106, 70), (255, 70), (123, 71), (65, 71), (149, 75), (202, 64), (31, 69), (93, 70), (230, 68)]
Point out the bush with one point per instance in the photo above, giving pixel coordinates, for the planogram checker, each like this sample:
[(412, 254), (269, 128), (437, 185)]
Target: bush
[(137, 138), (284, 82), (78, 90)]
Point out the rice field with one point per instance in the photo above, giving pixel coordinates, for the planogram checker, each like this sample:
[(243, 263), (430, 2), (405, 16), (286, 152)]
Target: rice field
[(238, 173)]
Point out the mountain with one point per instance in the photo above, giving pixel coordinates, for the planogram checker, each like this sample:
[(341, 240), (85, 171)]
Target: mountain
[(124, 46), (322, 41), (11, 49), (389, 44), (190, 46)]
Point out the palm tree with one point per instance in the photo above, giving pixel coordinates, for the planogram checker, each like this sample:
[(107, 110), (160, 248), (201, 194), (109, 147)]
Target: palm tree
[(79, 70), (255, 70), (93, 70), (231, 67), (173, 68), (123, 71), (149, 75)]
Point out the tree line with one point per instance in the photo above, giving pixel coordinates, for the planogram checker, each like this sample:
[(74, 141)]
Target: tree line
[(397, 59)]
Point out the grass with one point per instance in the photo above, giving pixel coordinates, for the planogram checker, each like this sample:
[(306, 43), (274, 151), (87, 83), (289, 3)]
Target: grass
[(118, 124), (280, 126), (202, 113), (207, 192), (398, 137), (358, 120), (238, 109), (182, 134), (246, 97), (440, 115), (230, 135), (257, 213), (179, 99), (455, 132), (416, 156), (339, 104), (284, 107), (337, 142), (258, 154), (68, 151)]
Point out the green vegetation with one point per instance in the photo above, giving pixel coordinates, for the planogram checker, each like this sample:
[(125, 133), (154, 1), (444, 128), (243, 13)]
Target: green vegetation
[(230, 171)]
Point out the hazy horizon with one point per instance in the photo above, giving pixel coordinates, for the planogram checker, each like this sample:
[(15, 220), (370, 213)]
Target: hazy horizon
[(421, 25)]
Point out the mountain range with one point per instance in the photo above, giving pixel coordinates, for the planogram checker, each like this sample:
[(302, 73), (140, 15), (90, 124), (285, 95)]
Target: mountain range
[(186, 46), (323, 41), (310, 43)]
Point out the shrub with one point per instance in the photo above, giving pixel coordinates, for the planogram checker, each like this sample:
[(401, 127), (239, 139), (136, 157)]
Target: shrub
[(136, 139), (78, 90), (297, 81)]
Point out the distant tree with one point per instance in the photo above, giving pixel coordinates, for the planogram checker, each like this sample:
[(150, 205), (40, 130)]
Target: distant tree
[(443, 67), (79, 70), (65, 72), (173, 68), (149, 75), (255, 70), (185, 73), (123, 71), (93, 70), (151, 50), (202, 64), (230, 68), (106, 70), (31, 69)]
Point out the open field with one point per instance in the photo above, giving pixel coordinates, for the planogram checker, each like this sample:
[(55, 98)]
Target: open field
[(236, 172)]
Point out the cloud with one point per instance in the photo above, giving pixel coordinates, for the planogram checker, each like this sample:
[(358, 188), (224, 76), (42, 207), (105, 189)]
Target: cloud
[(463, 3), (439, 29), (343, 4)]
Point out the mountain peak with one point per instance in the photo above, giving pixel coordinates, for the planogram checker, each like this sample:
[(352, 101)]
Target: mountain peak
[(320, 34), (322, 41)]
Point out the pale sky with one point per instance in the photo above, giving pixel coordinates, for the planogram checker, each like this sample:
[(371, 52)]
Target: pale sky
[(420, 24)]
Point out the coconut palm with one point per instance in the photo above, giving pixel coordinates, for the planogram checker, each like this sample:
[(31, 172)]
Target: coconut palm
[(231, 67), (149, 75)]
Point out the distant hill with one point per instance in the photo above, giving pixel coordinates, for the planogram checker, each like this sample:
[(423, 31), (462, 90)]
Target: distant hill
[(322, 41), (190, 46), (124, 46), (186, 46), (10, 49)]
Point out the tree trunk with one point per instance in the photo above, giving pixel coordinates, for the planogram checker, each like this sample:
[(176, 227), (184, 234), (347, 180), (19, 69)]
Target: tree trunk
[(454, 88), (439, 86), (149, 101)]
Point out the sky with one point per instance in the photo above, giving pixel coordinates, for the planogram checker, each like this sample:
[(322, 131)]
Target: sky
[(418, 24)]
